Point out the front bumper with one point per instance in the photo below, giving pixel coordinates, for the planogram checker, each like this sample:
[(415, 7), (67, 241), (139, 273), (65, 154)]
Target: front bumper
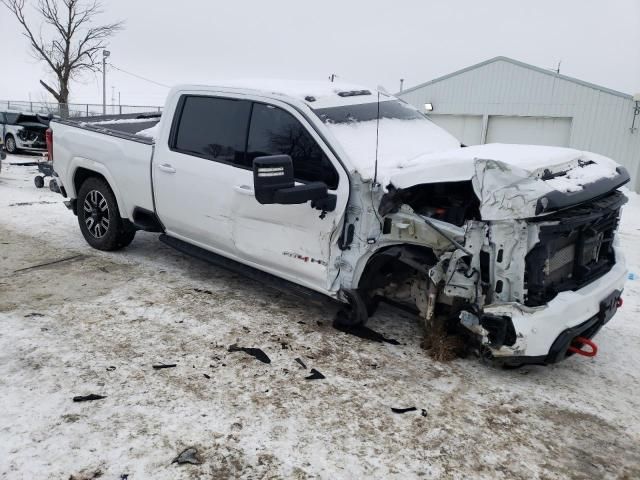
[(31, 145), (544, 333)]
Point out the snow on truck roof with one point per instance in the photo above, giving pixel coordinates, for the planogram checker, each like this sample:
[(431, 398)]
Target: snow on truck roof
[(313, 92), (399, 138)]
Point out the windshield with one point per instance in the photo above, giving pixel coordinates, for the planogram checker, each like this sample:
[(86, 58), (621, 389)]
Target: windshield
[(400, 140), (364, 112)]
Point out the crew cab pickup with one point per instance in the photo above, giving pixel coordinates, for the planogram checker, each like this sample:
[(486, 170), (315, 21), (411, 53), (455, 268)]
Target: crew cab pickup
[(350, 193)]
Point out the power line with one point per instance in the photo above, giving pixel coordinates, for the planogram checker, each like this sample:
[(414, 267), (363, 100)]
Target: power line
[(140, 77)]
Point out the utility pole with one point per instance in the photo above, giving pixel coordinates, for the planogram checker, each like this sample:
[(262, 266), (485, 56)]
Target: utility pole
[(401, 84), (105, 55), (332, 77)]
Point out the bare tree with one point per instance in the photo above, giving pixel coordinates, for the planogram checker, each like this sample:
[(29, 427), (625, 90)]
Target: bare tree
[(72, 43)]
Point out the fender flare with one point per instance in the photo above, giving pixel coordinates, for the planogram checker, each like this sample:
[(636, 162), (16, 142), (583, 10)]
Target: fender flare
[(91, 165)]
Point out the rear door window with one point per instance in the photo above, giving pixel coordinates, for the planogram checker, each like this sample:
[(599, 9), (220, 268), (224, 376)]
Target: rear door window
[(274, 131), (213, 128)]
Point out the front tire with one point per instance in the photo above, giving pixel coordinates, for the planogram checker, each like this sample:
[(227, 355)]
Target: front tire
[(99, 217), (354, 313), (10, 144)]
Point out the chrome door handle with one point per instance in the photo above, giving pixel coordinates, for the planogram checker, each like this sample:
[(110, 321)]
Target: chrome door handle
[(244, 190), (165, 167)]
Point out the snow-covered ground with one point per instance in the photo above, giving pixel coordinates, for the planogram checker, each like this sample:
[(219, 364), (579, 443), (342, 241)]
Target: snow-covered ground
[(97, 322)]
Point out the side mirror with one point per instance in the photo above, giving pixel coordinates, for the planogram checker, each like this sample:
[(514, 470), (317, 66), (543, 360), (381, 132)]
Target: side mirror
[(273, 182)]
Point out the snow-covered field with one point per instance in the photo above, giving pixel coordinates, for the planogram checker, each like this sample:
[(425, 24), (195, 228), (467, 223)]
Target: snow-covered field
[(97, 322)]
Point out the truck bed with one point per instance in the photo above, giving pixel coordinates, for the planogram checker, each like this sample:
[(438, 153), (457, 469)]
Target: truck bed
[(111, 149)]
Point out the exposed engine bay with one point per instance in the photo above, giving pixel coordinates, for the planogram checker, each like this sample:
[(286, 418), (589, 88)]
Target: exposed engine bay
[(464, 274)]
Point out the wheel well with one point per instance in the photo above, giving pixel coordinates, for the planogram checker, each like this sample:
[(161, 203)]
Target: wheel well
[(82, 174), (393, 261)]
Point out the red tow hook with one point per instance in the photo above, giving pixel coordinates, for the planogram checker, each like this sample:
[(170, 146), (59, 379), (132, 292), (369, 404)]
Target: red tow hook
[(584, 353)]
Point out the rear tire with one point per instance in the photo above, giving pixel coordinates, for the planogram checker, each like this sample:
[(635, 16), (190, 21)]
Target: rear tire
[(99, 218), (38, 181)]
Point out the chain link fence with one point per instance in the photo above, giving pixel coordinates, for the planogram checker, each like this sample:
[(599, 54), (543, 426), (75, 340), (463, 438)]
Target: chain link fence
[(72, 110)]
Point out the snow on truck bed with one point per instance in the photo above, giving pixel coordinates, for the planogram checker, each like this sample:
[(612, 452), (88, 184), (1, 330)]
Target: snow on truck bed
[(145, 127)]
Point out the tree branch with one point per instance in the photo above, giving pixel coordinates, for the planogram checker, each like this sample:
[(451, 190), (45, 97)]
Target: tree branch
[(55, 94), (73, 46)]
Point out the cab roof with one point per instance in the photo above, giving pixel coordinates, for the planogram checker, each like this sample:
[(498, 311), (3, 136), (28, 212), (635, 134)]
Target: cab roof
[(316, 94)]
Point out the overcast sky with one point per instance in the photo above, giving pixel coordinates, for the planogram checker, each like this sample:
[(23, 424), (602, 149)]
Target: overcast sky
[(369, 42)]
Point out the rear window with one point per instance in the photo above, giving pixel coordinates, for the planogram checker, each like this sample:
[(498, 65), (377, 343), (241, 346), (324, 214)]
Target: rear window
[(213, 128)]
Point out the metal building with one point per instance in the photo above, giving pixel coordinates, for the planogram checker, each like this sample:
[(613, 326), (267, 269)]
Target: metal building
[(506, 101)]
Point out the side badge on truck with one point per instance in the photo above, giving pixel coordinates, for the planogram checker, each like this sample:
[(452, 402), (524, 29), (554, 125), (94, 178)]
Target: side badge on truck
[(304, 258)]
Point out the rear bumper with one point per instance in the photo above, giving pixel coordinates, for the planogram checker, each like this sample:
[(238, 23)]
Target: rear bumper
[(543, 334)]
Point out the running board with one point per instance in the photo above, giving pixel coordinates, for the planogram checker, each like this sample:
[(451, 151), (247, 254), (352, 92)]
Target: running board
[(271, 281)]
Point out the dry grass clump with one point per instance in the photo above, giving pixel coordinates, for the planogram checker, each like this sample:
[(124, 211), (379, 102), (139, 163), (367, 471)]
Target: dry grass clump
[(441, 345)]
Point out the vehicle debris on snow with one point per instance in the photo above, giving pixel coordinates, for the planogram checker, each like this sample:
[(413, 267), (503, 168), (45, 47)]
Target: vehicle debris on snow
[(315, 375), (88, 398), (189, 455), (256, 353)]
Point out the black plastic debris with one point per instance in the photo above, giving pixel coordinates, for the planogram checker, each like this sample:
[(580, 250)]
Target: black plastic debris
[(423, 412), (301, 363), (164, 365), (88, 398), (199, 290), (207, 376), (190, 455), (111, 368), (315, 375), (403, 410), (361, 331), (33, 314), (254, 352)]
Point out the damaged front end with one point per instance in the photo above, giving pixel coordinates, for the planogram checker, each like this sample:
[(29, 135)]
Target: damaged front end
[(31, 136), (504, 262)]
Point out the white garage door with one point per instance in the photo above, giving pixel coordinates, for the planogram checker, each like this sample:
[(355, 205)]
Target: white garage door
[(529, 130), (466, 128)]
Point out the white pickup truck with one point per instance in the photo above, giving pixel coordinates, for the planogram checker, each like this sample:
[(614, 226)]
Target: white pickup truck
[(347, 192)]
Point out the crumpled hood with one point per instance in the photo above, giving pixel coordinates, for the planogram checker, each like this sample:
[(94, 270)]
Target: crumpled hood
[(517, 181)]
